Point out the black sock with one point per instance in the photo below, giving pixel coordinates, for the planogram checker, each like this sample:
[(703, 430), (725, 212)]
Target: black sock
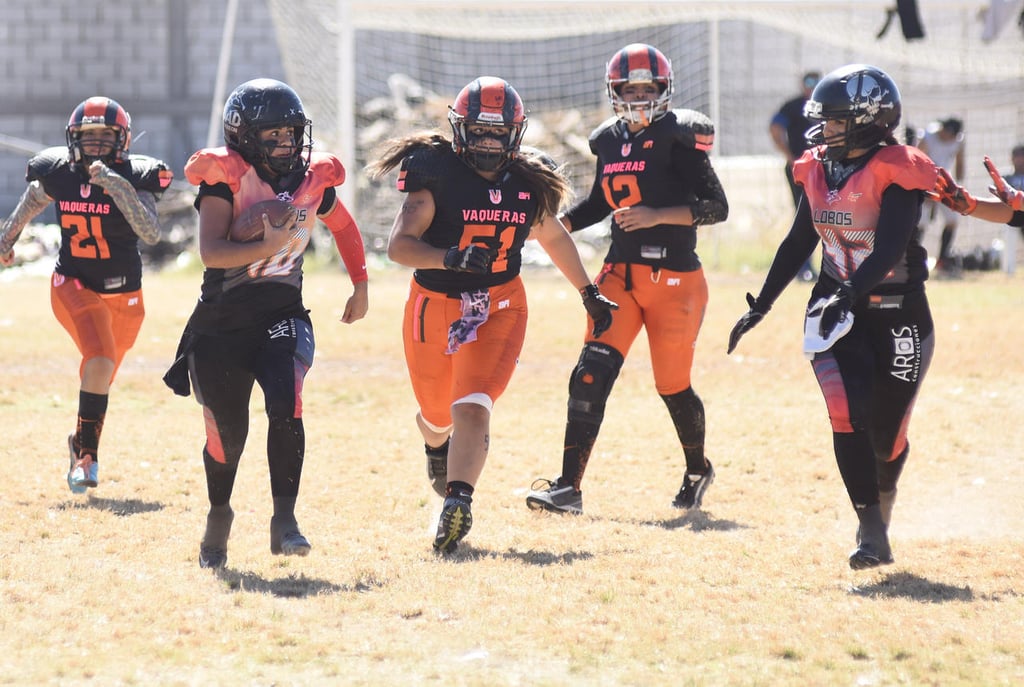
[(687, 413), (92, 409), (438, 451), (220, 480), (579, 443), (461, 489)]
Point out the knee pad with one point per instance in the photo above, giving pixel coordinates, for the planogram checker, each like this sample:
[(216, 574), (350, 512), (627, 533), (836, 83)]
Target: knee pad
[(591, 382)]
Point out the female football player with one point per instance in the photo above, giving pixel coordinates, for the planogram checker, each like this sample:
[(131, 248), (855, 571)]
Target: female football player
[(105, 201), (250, 324), (471, 203), (868, 328), (655, 178)]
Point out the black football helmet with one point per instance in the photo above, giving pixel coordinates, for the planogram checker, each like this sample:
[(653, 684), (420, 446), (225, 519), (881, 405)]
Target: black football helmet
[(99, 112), (267, 104), (864, 97), (639, 63), (487, 101)]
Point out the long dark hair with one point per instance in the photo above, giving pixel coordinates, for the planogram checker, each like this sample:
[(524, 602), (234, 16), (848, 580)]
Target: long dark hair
[(550, 188)]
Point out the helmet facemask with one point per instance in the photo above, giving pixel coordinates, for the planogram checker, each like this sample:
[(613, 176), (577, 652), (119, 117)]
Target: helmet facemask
[(486, 158), (491, 105), (262, 152)]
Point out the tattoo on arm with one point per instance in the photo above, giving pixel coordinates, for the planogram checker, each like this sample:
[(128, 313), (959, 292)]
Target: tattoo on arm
[(137, 206), (33, 201), (411, 206)]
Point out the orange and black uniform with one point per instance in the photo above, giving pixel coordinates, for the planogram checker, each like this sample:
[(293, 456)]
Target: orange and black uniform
[(654, 274), (250, 324), (492, 306), (864, 212), (96, 290)]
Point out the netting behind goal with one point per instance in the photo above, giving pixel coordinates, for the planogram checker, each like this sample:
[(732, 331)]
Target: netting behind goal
[(369, 71)]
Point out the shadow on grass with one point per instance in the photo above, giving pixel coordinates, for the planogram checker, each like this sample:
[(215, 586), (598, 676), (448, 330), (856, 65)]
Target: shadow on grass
[(904, 585), (697, 521), (121, 507), (293, 586)]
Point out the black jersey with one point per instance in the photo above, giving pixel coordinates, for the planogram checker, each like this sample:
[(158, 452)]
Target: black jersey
[(97, 244), (470, 210), (663, 165)]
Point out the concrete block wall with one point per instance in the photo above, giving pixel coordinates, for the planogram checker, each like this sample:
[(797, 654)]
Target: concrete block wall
[(158, 58)]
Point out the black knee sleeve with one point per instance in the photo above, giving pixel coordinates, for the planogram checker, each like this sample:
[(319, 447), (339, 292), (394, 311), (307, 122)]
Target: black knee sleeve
[(591, 382)]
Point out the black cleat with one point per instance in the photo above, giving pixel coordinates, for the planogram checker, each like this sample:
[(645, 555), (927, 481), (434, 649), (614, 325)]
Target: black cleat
[(213, 550), (691, 494), (454, 524), (286, 539)]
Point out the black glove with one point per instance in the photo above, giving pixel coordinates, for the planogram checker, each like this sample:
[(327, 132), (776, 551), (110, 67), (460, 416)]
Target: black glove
[(472, 258), (599, 308), (754, 315), (837, 307)]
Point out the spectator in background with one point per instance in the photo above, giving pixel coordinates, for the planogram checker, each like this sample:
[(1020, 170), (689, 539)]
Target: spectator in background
[(943, 142), (1016, 178), (787, 131)]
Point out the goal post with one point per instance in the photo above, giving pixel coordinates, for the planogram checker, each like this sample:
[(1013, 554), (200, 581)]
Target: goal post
[(367, 71)]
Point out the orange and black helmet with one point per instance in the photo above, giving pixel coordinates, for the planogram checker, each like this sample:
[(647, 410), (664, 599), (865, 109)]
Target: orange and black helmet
[(489, 102), (99, 112), (639, 63)]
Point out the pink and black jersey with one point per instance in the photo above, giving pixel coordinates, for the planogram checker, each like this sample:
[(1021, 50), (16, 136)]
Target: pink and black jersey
[(272, 286), (846, 217)]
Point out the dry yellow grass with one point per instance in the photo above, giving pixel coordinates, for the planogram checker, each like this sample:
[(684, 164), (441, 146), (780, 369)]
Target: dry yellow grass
[(105, 589)]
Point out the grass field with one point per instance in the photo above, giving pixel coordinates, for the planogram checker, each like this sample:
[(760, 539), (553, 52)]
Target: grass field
[(105, 589)]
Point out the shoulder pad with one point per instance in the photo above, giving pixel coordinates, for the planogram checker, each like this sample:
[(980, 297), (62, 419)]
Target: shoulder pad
[(150, 174), (694, 129), (327, 168), (424, 168), (907, 167), (604, 126), (45, 162), (216, 166)]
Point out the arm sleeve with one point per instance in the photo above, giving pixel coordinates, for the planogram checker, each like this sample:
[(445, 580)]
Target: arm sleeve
[(793, 252), (711, 205), (348, 240), (591, 209), (33, 201), (897, 220)]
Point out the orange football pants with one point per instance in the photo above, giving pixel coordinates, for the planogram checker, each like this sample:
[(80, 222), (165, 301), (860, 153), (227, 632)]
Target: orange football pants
[(484, 366), (669, 304), (101, 325)]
